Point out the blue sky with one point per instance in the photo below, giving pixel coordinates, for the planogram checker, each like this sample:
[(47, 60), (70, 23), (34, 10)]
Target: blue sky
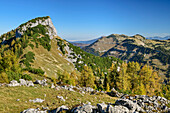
[(89, 19)]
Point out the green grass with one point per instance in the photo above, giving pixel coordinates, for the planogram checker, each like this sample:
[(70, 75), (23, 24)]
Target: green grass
[(9, 95)]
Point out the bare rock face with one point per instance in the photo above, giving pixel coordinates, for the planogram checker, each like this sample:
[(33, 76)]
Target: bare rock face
[(46, 21)]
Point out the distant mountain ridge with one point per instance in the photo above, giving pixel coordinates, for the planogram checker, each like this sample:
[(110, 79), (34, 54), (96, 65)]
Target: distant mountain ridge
[(158, 38), (134, 48), (85, 41)]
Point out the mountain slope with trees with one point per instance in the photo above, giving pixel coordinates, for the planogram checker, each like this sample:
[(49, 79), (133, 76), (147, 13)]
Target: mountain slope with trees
[(135, 48), (35, 51)]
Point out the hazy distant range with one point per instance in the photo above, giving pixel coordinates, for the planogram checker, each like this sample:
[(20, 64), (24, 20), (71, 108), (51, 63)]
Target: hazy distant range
[(88, 42)]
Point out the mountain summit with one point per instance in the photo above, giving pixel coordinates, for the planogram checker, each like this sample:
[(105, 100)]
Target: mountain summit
[(45, 21)]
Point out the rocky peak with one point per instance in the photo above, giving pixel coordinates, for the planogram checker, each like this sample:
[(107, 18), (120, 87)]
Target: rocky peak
[(46, 21)]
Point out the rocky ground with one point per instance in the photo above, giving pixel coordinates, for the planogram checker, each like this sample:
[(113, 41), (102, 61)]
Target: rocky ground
[(124, 104)]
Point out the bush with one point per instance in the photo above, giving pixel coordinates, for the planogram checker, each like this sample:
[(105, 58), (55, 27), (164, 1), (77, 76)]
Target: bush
[(35, 71), (13, 76), (26, 77), (29, 57), (4, 78), (31, 45)]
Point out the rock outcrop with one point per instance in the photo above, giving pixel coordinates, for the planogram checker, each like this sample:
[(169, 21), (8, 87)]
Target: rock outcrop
[(46, 21), (148, 104), (23, 82), (13, 83)]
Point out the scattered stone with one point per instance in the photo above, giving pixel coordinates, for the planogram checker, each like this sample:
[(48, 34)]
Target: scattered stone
[(37, 100), (52, 86), (88, 89), (45, 108), (61, 97), (18, 100), (71, 89), (84, 109), (32, 110), (60, 109)]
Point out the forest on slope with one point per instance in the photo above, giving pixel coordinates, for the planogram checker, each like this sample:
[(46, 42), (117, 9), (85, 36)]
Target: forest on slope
[(18, 60), (135, 48)]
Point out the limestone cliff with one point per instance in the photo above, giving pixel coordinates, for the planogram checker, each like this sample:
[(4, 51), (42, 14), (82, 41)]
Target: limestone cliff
[(46, 21)]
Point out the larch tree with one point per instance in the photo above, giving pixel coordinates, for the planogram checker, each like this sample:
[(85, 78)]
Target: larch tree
[(87, 78), (123, 82)]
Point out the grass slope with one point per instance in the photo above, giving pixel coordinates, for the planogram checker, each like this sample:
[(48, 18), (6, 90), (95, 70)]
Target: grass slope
[(51, 61), (9, 95)]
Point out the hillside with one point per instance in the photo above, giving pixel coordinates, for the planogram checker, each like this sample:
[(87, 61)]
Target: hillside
[(81, 45), (39, 51), (40, 69), (135, 48)]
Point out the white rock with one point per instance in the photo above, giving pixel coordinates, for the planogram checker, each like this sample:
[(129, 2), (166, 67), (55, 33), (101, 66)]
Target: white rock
[(13, 83), (118, 109), (32, 110), (23, 82), (37, 100), (61, 97), (52, 85), (30, 83), (60, 109)]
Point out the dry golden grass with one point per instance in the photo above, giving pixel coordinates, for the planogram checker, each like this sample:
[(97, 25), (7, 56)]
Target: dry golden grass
[(50, 61), (9, 95)]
